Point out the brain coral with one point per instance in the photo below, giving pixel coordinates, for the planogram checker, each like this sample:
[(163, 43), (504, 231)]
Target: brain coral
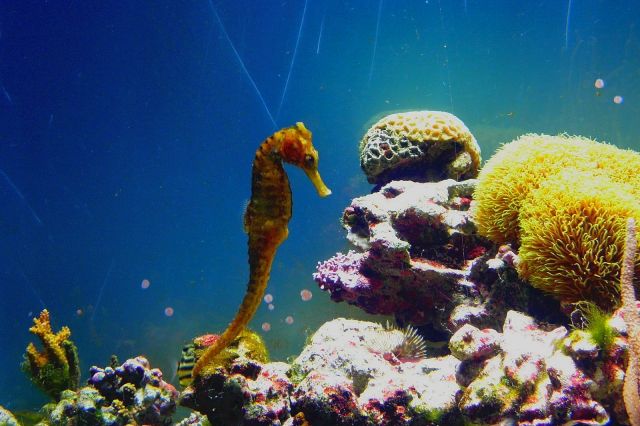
[(573, 229), (521, 166), (419, 145)]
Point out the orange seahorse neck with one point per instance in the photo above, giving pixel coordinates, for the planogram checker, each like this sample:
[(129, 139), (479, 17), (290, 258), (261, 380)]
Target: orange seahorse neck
[(266, 219)]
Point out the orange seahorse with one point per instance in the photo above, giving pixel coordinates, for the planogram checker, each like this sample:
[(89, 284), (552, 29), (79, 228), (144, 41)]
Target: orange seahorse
[(266, 219)]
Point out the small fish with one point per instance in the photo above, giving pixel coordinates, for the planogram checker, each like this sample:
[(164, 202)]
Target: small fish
[(186, 363)]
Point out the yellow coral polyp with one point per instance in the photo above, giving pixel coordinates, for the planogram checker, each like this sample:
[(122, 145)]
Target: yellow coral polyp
[(51, 341), (573, 228), (521, 166)]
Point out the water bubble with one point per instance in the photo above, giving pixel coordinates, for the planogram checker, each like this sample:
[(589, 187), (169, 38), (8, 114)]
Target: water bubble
[(266, 326), (599, 83), (618, 99), (306, 295), (145, 284), (79, 312), (271, 307), (168, 311), (289, 320), (268, 298)]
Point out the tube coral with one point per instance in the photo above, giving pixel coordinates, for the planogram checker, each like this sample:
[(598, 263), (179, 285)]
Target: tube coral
[(632, 319), (56, 367)]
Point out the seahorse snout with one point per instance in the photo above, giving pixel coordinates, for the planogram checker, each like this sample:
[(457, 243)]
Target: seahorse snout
[(315, 178)]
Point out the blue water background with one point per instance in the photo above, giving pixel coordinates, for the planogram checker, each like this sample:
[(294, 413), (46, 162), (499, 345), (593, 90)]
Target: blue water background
[(127, 131)]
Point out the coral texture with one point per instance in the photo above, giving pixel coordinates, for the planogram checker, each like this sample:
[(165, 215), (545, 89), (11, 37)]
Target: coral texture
[(527, 379), (248, 344), (519, 167), (419, 145), (247, 392), (528, 374), (239, 385), (131, 394), (343, 380), (420, 248), (632, 319), (7, 418), (573, 234), (56, 367)]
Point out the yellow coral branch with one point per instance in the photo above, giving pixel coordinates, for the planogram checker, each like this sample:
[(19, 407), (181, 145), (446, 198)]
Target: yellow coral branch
[(51, 341), (632, 319)]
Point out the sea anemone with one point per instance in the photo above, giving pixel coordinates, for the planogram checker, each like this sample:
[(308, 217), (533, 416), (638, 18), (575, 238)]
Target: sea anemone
[(398, 344)]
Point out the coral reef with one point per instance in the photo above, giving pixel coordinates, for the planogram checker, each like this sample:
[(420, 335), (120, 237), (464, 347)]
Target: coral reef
[(242, 392), (528, 374), (573, 234), (56, 367), (525, 376), (338, 379), (7, 418), (132, 393), (248, 345), (419, 261), (421, 146), (239, 385), (194, 419), (342, 381), (519, 167)]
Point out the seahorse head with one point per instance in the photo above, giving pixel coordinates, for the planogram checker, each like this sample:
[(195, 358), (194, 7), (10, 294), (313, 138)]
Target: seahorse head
[(297, 149)]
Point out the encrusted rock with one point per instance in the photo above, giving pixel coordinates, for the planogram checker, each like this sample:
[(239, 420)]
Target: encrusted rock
[(420, 248), (243, 392), (470, 343), (530, 380), (346, 379), (132, 393)]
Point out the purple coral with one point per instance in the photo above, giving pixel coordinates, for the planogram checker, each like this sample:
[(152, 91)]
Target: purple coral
[(419, 244), (147, 397)]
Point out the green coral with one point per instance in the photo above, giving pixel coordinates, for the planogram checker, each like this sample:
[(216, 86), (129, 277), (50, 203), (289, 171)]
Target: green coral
[(56, 367), (597, 324), (296, 373), (248, 345)]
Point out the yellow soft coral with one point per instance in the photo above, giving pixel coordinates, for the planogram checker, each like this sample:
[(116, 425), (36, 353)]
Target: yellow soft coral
[(52, 342), (520, 167), (56, 367), (572, 236)]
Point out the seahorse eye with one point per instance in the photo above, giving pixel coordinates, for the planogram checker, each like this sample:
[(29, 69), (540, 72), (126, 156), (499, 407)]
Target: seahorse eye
[(309, 161)]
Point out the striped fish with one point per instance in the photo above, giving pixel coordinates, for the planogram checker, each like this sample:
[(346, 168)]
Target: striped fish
[(186, 363)]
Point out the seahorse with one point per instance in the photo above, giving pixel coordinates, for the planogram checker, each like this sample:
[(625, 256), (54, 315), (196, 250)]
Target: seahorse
[(266, 219)]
